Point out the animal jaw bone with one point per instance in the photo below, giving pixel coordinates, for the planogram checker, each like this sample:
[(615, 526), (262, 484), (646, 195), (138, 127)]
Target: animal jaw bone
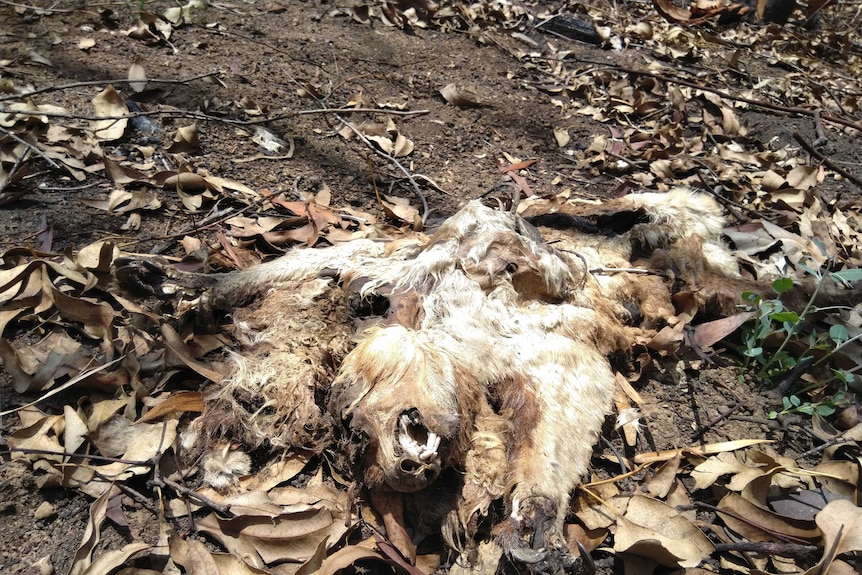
[(490, 357)]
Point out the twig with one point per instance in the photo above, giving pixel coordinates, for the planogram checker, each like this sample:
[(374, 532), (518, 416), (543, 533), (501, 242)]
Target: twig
[(625, 271), (815, 450), (616, 478), (818, 129), (366, 110), (829, 163), (768, 548), (223, 510), (61, 87), (37, 8), (706, 427), (747, 521), (419, 195), (211, 220), (31, 147), (208, 118), (9, 450), (620, 459)]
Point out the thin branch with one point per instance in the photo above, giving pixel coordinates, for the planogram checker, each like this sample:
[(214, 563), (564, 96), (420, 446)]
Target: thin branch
[(31, 147), (37, 8), (829, 163), (768, 548), (209, 118), (223, 510), (785, 538), (9, 450), (419, 195), (61, 87)]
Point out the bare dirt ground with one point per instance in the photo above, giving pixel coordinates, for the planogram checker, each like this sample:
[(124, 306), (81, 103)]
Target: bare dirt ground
[(602, 119)]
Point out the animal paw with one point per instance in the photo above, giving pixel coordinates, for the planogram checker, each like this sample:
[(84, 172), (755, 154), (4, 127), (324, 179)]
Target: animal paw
[(532, 543)]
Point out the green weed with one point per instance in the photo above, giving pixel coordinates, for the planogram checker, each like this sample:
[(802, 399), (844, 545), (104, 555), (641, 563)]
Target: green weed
[(772, 321)]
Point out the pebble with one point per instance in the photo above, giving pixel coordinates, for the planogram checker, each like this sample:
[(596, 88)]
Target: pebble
[(45, 510)]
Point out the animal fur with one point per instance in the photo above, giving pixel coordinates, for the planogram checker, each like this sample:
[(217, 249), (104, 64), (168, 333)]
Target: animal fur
[(481, 349)]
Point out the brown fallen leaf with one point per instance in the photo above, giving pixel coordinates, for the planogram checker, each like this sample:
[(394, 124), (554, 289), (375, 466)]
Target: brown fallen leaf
[(109, 103), (180, 352), (707, 449), (179, 402), (841, 524), (460, 97), (711, 332), (92, 533), (655, 530), (757, 524), (390, 506), (185, 140)]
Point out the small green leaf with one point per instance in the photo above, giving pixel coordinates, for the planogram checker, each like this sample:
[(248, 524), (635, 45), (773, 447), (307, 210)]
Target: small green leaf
[(750, 296), (782, 285), (785, 401), (812, 271), (795, 401), (853, 275), (807, 409), (838, 333), (772, 415), (785, 316), (824, 409)]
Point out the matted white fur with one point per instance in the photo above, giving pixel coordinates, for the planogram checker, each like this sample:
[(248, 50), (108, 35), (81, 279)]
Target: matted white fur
[(491, 359)]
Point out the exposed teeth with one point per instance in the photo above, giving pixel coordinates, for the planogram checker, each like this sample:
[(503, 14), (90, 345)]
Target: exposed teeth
[(429, 450), (425, 452), (410, 446)]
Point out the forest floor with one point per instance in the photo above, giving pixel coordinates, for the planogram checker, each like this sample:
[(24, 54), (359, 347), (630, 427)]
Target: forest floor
[(247, 105)]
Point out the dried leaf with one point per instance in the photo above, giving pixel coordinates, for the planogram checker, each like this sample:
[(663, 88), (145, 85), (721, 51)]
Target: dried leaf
[(186, 140), (561, 135), (92, 534), (179, 402), (707, 449), (841, 524), (655, 530), (390, 506), (711, 332), (460, 97), (179, 351), (137, 77), (109, 103), (761, 524)]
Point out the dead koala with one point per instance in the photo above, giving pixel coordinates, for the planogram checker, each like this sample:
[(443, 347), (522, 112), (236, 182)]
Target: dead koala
[(472, 361)]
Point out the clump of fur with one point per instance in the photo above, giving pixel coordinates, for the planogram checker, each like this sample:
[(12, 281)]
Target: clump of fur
[(481, 349)]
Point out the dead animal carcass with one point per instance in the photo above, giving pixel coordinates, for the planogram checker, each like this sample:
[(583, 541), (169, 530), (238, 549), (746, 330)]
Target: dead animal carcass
[(475, 359)]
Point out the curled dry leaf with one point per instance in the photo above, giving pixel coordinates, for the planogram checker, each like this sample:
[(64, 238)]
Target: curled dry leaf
[(561, 135), (460, 97), (707, 449), (283, 525), (384, 136), (841, 524), (656, 530), (185, 140), (757, 524), (137, 77), (109, 104), (180, 402)]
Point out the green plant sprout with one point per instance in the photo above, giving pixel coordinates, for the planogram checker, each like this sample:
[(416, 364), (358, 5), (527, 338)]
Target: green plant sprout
[(772, 318)]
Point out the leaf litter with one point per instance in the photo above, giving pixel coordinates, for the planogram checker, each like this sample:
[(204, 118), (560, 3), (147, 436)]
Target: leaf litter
[(126, 368)]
